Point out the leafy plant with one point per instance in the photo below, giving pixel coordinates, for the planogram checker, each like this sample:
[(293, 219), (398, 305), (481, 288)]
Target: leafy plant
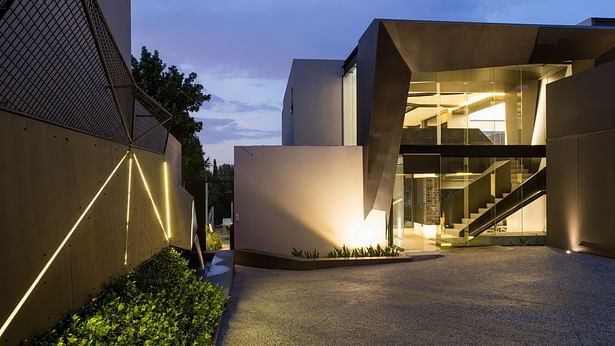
[(313, 254), (212, 240), (297, 253), (162, 302), (345, 252)]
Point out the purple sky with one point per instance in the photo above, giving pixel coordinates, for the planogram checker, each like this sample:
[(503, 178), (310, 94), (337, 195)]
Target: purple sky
[(242, 49)]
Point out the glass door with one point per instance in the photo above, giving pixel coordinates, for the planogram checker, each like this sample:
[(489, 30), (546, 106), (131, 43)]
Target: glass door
[(416, 205)]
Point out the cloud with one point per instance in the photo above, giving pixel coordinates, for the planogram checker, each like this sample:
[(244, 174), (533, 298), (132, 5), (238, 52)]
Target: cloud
[(220, 105), (218, 130)]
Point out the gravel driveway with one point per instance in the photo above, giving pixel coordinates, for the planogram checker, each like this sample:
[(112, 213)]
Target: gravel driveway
[(494, 295)]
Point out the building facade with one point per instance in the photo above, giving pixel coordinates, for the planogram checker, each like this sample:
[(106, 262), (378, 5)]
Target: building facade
[(433, 134), (91, 179)]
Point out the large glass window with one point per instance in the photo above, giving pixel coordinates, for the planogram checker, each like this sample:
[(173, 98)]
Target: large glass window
[(500, 105), (468, 201), (473, 200), (350, 107)]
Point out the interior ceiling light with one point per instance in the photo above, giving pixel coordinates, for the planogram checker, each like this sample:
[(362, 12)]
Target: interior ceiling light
[(149, 193), (57, 251)]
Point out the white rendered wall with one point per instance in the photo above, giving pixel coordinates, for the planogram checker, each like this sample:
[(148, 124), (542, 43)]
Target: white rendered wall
[(312, 111), (303, 197)]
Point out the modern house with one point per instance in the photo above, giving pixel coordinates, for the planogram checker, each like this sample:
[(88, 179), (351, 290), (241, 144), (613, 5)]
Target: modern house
[(433, 134), (91, 179)]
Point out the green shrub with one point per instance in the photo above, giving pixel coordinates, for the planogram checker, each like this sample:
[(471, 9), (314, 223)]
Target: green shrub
[(345, 252), (212, 241), (162, 303), (297, 253)]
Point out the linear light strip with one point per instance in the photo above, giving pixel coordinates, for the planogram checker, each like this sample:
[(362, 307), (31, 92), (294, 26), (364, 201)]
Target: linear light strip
[(192, 225), (128, 209), (149, 193), (166, 195), (57, 252)]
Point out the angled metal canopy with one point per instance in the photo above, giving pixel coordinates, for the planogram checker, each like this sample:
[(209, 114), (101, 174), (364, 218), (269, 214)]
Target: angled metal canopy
[(391, 50)]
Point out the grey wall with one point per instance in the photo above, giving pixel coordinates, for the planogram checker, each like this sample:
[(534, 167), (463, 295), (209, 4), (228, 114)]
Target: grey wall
[(117, 14), (50, 174), (314, 92), (581, 160)]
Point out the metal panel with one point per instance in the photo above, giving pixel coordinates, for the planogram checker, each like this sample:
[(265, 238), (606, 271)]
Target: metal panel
[(59, 63), (382, 88), (50, 68)]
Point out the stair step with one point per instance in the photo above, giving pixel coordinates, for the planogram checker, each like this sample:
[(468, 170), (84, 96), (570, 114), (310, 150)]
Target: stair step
[(504, 194), (475, 215), (466, 220), (459, 226), (452, 231), (483, 210), (489, 205), (497, 199)]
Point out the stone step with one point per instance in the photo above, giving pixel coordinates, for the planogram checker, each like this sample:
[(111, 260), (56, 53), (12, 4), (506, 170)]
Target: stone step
[(459, 226), (452, 231)]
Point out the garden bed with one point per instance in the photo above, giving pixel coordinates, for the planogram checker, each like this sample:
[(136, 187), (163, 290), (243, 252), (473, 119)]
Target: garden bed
[(163, 302)]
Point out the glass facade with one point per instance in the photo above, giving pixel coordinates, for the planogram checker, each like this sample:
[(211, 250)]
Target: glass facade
[(500, 105), (350, 107), (441, 200)]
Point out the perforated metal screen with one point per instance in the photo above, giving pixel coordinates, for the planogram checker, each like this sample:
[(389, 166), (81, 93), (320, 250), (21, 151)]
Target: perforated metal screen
[(59, 63)]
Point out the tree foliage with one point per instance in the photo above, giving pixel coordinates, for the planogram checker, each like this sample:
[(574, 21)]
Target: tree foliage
[(180, 95), (221, 190)]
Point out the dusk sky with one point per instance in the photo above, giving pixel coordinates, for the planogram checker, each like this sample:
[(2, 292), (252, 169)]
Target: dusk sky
[(242, 50)]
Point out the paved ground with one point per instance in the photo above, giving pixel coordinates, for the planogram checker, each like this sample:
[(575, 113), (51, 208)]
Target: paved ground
[(521, 295)]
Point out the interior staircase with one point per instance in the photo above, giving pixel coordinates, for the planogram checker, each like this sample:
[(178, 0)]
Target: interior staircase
[(525, 187)]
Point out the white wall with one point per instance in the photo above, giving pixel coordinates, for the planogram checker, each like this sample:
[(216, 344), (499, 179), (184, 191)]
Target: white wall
[(303, 197), (314, 92)]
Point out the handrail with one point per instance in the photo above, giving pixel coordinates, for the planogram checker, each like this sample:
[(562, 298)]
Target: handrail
[(530, 190)]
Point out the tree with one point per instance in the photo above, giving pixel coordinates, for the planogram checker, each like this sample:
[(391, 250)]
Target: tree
[(179, 95), (221, 190)]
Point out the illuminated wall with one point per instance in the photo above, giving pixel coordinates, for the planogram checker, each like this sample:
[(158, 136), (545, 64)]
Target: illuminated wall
[(304, 197), (581, 174), (90, 190), (63, 219)]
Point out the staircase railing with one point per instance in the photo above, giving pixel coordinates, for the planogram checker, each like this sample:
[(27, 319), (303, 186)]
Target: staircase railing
[(530, 190)]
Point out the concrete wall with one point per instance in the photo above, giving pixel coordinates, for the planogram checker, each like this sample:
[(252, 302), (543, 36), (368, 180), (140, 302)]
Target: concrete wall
[(581, 159), (314, 94), (49, 176), (303, 197), (117, 14)]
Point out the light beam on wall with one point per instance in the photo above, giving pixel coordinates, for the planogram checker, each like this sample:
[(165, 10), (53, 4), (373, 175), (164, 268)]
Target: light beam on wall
[(193, 225), (128, 209), (149, 193), (166, 197), (57, 251)]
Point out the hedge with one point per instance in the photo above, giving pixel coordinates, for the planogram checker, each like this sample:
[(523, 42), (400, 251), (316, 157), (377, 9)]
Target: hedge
[(162, 303)]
